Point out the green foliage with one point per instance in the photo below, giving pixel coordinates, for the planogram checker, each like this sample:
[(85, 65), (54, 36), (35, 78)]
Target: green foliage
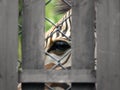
[(51, 14)]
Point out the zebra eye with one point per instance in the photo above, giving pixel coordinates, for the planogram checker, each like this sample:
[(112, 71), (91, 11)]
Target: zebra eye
[(59, 47)]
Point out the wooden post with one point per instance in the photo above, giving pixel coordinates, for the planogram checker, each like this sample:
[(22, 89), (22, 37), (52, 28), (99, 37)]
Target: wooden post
[(108, 33), (33, 39), (83, 15), (8, 44)]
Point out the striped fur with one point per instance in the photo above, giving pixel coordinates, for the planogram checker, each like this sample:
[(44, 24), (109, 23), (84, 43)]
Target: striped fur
[(59, 34)]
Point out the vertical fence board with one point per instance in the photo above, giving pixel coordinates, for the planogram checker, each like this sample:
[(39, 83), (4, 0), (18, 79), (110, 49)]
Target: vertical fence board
[(108, 33), (83, 39), (33, 39), (8, 44)]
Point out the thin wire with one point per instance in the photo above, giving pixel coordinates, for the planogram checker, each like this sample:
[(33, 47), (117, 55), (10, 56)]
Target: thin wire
[(49, 87), (48, 2), (67, 3), (50, 21)]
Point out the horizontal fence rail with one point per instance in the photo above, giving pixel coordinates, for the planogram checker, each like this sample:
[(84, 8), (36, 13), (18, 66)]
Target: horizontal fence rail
[(34, 76)]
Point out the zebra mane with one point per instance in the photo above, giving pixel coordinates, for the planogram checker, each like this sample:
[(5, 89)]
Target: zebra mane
[(63, 6)]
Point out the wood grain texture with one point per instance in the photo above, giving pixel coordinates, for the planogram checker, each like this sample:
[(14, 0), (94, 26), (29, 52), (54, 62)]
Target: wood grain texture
[(36, 76), (83, 16), (33, 34), (8, 44), (33, 39), (108, 33)]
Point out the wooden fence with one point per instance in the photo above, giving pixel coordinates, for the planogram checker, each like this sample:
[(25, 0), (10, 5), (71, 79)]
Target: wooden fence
[(82, 75)]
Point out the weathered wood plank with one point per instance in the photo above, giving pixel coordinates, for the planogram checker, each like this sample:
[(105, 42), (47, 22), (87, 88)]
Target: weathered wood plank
[(33, 34), (8, 44), (108, 33), (36, 76), (33, 39), (83, 43)]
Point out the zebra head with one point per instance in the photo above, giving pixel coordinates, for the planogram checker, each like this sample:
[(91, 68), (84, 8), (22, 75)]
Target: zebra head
[(58, 40), (58, 44)]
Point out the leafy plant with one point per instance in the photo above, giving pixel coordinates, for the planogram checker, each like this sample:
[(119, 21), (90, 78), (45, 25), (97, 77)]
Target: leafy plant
[(51, 14)]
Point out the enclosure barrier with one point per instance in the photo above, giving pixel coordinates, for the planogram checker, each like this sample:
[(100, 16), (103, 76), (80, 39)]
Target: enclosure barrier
[(82, 75), (8, 44)]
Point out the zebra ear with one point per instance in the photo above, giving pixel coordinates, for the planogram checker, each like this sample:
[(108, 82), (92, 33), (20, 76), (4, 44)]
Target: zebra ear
[(63, 6)]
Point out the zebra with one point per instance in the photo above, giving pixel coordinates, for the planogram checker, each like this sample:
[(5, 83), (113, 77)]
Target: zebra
[(58, 41), (58, 45)]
